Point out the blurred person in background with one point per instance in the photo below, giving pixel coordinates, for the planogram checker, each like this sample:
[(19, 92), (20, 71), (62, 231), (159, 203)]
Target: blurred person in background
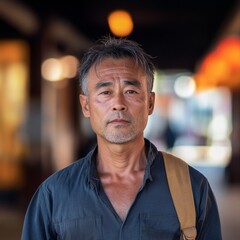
[(119, 190)]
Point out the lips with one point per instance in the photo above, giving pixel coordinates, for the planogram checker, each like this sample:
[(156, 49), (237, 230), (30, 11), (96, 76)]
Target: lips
[(120, 121)]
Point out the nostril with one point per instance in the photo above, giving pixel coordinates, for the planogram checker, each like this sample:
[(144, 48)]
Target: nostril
[(119, 108)]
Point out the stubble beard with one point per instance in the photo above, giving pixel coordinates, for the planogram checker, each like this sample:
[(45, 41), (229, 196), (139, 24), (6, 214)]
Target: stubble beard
[(119, 135)]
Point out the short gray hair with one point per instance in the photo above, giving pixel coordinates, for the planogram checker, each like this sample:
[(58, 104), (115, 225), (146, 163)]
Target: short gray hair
[(116, 48)]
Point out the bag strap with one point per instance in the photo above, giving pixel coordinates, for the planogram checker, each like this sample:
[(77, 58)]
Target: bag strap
[(181, 190)]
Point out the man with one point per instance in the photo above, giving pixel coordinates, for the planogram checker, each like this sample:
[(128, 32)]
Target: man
[(119, 190)]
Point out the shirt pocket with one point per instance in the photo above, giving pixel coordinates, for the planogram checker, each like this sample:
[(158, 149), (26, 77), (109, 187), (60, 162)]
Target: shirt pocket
[(159, 227), (82, 228)]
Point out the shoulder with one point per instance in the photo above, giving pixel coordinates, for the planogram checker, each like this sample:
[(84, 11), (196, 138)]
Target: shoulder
[(196, 174), (197, 178), (200, 183), (68, 175), (177, 161)]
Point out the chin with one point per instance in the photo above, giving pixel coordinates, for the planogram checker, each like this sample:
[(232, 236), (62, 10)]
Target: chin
[(120, 139)]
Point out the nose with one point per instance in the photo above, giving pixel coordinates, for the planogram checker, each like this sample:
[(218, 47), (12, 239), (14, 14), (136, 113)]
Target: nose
[(119, 108), (119, 103)]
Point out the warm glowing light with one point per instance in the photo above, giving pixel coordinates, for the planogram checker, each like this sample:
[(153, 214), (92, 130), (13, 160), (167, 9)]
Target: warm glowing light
[(52, 69), (69, 66), (16, 82), (221, 67), (14, 70), (13, 51), (229, 48), (120, 23)]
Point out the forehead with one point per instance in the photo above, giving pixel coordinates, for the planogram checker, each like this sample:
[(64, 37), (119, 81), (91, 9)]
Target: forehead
[(120, 67)]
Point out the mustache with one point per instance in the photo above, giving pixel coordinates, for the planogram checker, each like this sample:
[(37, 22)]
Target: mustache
[(118, 115)]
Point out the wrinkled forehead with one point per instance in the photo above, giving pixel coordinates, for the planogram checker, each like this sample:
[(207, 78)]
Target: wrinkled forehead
[(124, 66)]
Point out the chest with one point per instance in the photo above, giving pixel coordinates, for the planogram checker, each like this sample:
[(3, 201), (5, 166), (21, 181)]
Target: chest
[(152, 215), (122, 194)]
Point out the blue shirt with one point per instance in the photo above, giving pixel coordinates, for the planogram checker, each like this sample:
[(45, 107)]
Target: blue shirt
[(71, 204)]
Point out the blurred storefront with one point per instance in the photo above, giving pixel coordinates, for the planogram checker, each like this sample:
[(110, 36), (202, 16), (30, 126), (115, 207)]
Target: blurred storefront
[(14, 65), (39, 121), (196, 126)]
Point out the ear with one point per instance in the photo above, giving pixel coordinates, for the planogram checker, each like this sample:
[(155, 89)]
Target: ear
[(151, 103), (83, 99)]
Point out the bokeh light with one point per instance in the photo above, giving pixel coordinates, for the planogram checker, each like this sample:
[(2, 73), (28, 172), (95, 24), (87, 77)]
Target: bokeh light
[(120, 23)]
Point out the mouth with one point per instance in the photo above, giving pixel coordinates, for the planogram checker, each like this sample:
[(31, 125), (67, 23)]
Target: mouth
[(119, 122)]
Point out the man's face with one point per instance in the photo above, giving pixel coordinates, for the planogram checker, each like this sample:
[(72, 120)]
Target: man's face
[(118, 102)]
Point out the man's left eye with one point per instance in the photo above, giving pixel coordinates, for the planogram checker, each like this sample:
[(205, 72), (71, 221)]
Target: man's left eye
[(130, 91)]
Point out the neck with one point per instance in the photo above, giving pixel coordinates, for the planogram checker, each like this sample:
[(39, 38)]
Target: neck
[(121, 158)]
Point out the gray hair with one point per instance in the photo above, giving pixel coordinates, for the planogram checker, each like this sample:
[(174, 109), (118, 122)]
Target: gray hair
[(115, 48)]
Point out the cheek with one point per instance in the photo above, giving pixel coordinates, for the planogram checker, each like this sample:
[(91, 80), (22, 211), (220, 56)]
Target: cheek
[(98, 109), (141, 114)]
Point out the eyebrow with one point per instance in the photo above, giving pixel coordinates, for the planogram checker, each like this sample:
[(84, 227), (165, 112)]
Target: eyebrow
[(135, 83), (103, 84)]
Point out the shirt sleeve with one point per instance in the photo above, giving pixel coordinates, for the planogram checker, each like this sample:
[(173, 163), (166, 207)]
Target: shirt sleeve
[(208, 221), (37, 222)]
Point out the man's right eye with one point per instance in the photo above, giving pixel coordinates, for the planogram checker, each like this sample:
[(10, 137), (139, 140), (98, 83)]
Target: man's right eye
[(105, 93)]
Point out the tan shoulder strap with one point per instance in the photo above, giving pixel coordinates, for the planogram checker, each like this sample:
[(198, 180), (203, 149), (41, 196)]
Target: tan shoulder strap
[(181, 190)]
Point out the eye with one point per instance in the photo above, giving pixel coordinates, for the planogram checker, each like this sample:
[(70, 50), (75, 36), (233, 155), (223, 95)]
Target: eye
[(105, 93), (131, 91)]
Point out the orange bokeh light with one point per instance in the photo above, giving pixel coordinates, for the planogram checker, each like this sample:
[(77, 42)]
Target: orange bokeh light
[(222, 66), (120, 23), (229, 49)]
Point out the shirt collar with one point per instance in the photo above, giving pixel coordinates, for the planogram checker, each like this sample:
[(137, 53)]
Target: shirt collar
[(151, 156), (93, 178)]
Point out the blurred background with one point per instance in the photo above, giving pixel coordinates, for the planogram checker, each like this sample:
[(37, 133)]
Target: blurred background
[(196, 50)]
